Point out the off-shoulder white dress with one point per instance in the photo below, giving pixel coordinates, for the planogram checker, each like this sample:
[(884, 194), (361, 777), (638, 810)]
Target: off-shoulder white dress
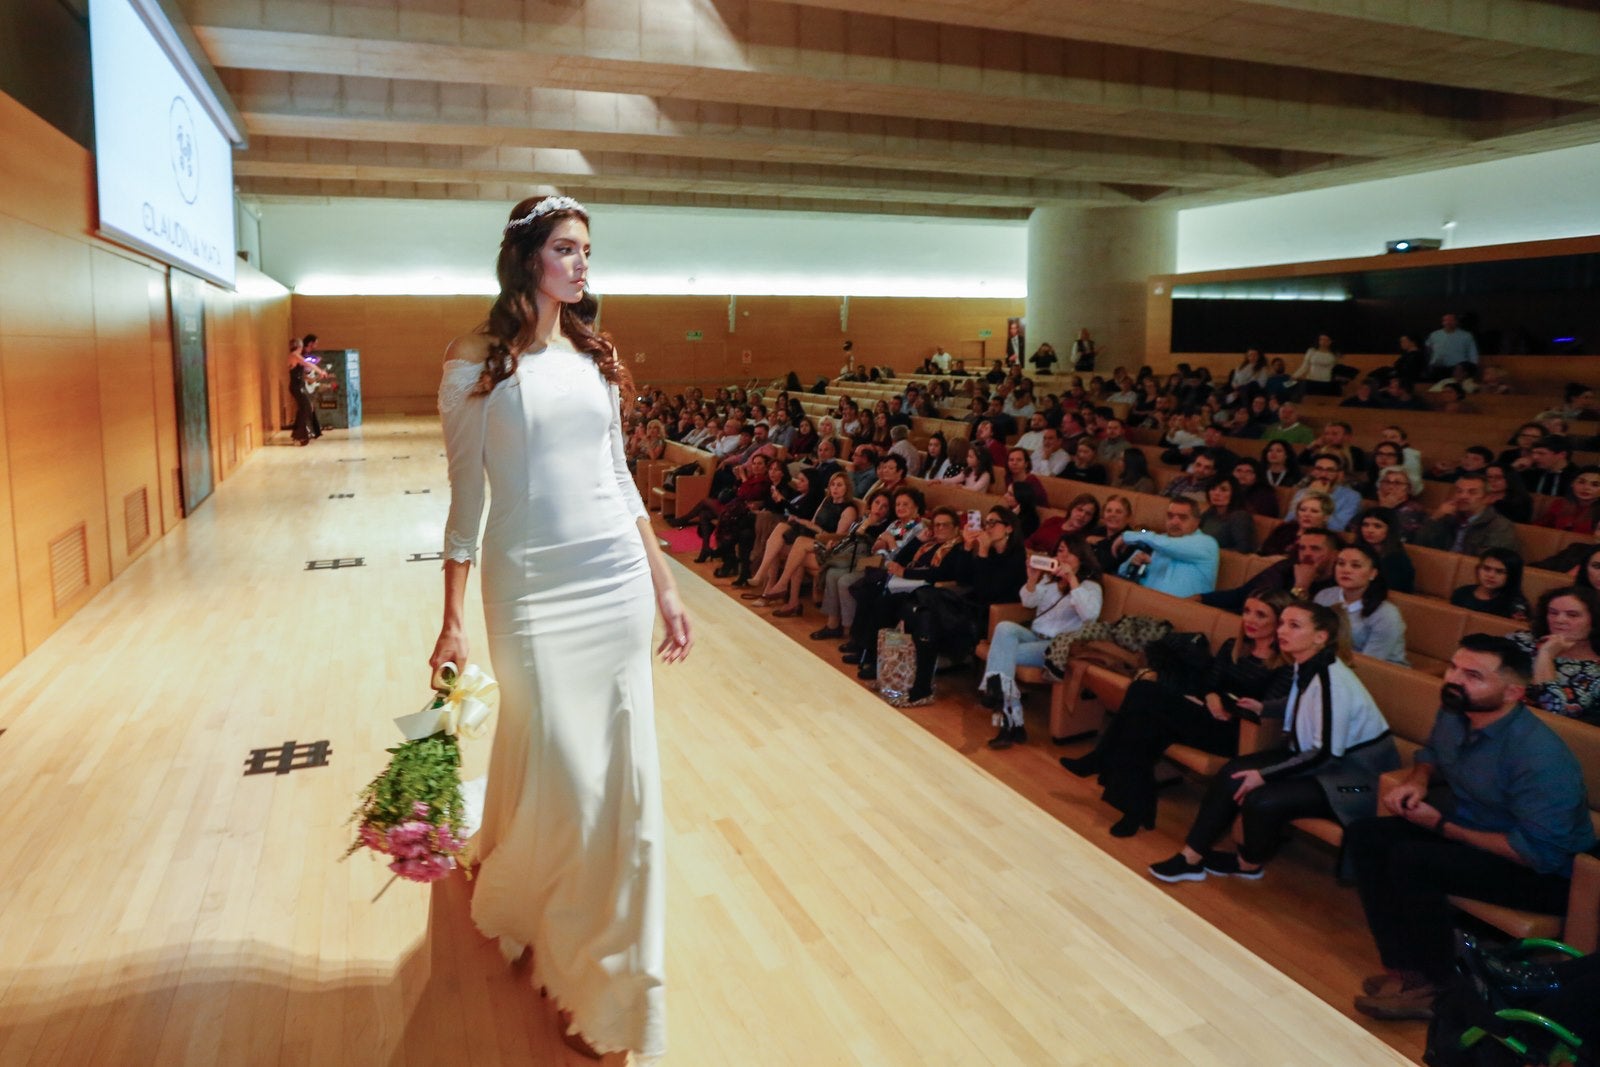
[(572, 825)]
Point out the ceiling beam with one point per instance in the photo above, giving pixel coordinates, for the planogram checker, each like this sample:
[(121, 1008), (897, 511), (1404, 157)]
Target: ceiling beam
[(313, 190), (1506, 46), (345, 108), (934, 73), (301, 158)]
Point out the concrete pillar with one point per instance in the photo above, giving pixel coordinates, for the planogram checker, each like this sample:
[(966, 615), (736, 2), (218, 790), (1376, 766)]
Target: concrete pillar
[(1087, 267)]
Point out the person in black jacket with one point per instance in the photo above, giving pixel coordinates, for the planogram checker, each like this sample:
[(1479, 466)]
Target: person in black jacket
[(950, 622), (1159, 712)]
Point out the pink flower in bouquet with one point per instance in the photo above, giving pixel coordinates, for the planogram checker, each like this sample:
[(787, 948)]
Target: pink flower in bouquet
[(447, 841), (374, 839), (430, 868), (411, 840)]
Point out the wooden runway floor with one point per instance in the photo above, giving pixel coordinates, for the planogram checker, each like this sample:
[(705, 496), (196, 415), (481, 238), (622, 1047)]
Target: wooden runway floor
[(845, 885)]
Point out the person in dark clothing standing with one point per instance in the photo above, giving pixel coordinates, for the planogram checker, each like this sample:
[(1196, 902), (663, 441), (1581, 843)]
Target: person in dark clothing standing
[(301, 372)]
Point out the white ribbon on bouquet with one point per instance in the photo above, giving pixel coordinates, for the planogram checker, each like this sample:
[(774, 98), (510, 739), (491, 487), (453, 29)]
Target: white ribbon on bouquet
[(458, 706)]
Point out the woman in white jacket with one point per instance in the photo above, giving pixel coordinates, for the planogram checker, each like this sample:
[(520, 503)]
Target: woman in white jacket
[(1062, 602), (1336, 744)]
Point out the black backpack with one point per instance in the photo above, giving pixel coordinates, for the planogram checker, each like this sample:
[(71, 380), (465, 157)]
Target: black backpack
[(1478, 1022)]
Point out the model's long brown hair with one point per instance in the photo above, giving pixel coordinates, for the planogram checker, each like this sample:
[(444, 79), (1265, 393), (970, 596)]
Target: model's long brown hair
[(513, 320)]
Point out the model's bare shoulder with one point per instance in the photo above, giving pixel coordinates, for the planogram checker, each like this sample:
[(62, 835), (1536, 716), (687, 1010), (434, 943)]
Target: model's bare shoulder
[(468, 348)]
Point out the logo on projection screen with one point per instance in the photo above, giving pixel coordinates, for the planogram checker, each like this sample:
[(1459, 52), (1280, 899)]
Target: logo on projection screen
[(185, 149)]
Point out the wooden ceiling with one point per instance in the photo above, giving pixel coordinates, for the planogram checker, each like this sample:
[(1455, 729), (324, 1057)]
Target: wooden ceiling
[(972, 108)]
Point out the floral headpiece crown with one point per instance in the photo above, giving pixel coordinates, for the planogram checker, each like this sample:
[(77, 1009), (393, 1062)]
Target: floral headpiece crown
[(544, 207)]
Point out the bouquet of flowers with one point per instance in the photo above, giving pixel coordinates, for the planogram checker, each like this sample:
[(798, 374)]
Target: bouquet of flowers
[(412, 812)]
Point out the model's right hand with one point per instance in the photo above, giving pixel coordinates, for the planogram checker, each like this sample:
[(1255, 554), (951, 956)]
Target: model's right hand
[(450, 648)]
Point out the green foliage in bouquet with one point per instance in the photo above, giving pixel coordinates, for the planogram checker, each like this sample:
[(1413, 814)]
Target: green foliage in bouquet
[(426, 772)]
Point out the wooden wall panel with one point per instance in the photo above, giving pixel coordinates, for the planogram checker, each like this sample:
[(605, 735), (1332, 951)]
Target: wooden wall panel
[(45, 176), (402, 338), (87, 408), (127, 415), (45, 283), (222, 350), (52, 395)]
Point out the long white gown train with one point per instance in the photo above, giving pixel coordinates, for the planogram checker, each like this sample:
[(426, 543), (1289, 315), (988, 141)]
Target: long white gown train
[(572, 822)]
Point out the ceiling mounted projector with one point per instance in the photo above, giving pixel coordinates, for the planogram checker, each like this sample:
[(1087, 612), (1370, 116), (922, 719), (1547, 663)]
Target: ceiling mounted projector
[(1414, 244)]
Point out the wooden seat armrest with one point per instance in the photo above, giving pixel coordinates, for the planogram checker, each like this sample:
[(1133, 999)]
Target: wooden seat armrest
[(1259, 736), (1582, 929)]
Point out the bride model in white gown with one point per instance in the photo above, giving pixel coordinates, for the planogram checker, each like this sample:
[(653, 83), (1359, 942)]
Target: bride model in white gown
[(571, 842)]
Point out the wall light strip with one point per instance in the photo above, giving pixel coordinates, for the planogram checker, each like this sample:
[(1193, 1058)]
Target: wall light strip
[(646, 285)]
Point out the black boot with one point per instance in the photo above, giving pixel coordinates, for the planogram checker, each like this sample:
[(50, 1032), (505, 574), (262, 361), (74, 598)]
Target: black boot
[(991, 696), (1008, 736), (1084, 765), (1129, 825)]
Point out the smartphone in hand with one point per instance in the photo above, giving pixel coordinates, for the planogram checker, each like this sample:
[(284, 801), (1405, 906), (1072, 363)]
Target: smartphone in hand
[(974, 519), (1047, 564)]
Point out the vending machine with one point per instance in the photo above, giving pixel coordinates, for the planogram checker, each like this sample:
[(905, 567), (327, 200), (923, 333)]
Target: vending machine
[(338, 403)]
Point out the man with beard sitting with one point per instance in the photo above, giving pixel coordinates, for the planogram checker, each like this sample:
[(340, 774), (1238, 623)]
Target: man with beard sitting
[(1504, 829)]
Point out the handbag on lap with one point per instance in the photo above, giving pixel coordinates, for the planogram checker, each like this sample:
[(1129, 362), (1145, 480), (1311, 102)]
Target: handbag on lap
[(1118, 646)]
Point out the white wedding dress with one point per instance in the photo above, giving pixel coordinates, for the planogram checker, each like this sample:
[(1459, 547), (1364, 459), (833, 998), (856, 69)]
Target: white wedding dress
[(572, 824)]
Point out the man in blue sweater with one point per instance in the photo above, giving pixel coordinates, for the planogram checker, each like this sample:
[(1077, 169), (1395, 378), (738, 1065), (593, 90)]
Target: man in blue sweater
[(1182, 562)]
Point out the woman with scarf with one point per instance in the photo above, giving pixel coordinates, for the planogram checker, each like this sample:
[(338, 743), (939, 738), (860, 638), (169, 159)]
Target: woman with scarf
[(1336, 744)]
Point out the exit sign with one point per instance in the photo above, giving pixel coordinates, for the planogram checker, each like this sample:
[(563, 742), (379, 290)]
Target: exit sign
[(693, 335), (984, 335)]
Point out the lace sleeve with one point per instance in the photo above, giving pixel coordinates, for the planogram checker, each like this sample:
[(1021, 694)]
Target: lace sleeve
[(619, 461), (463, 417)]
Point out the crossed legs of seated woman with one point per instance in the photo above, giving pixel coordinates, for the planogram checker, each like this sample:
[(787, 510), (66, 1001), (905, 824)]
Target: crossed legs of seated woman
[(1012, 645), (800, 562), (1264, 813), (1153, 716), (1063, 599)]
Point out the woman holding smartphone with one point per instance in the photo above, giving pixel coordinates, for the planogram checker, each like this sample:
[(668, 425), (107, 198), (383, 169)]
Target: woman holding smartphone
[(1064, 593), (1156, 713), (1336, 744)]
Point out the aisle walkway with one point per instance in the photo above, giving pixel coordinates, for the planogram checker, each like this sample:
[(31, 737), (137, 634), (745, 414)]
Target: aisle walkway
[(844, 887)]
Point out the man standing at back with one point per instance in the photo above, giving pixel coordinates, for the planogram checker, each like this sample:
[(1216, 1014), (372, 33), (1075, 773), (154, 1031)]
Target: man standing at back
[(1494, 809), (1448, 346), (1181, 562)]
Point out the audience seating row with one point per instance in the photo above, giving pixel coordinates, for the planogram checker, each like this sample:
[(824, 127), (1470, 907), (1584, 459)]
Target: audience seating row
[(1409, 700), (1408, 696)]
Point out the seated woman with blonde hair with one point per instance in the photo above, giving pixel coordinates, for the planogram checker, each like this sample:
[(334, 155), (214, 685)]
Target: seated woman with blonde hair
[(827, 526), (1312, 513)]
